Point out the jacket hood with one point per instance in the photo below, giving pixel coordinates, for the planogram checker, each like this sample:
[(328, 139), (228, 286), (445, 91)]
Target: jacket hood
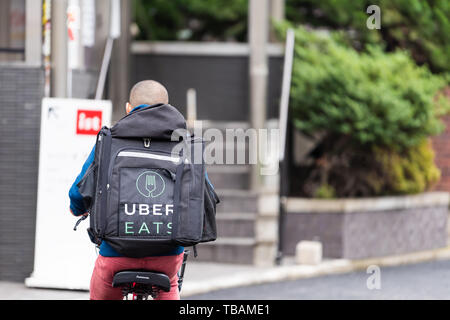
[(158, 121)]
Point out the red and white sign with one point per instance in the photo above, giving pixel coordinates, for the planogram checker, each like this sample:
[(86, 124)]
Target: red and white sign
[(89, 122)]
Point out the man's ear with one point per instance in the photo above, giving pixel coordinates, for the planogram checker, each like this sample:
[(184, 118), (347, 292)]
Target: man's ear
[(128, 108)]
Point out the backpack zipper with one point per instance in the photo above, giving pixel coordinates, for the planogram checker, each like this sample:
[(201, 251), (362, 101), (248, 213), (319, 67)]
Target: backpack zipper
[(134, 154)]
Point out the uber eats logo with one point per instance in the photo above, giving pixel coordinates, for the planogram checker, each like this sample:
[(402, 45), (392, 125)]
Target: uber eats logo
[(151, 216), (150, 184)]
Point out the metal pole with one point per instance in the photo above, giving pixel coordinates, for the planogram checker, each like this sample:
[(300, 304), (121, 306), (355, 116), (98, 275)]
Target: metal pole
[(286, 88), (47, 42), (119, 80), (277, 9), (59, 49), (258, 38), (284, 126), (104, 68), (114, 33), (33, 40), (191, 108)]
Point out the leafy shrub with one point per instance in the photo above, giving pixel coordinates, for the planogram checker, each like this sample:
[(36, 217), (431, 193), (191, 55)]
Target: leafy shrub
[(411, 172), (192, 20), (377, 98), (420, 26), (325, 191), (363, 105)]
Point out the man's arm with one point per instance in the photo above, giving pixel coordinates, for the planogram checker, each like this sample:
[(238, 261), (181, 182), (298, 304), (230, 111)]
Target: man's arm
[(77, 206)]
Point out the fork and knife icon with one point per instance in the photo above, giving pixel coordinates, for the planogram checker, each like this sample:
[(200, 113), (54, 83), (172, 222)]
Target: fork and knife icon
[(150, 184)]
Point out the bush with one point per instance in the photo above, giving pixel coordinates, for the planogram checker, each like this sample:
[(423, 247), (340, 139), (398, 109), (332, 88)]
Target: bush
[(420, 26), (377, 98), (363, 105), (325, 191), (411, 172), (193, 20)]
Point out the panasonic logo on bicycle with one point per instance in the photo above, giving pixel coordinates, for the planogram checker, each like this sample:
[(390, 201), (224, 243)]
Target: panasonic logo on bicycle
[(141, 277)]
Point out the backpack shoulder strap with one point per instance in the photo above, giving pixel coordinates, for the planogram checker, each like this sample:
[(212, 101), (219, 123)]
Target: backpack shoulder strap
[(105, 157)]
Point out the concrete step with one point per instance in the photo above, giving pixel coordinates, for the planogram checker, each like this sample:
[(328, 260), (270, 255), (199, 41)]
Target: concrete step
[(227, 250), (231, 153), (229, 176), (237, 201), (236, 225), (224, 149), (224, 125)]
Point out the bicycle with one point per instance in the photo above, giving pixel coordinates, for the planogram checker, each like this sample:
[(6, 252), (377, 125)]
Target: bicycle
[(144, 283)]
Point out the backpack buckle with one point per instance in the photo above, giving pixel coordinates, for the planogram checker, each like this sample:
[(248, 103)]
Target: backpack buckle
[(147, 142)]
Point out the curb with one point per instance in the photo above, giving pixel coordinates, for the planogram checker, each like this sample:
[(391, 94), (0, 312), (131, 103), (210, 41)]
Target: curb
[(295, 272)]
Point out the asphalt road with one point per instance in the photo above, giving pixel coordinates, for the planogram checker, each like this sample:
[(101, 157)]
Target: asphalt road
[(430, 280)]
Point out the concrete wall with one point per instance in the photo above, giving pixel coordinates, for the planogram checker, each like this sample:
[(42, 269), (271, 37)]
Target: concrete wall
[(21, 91), (366, 228), (221, 79)]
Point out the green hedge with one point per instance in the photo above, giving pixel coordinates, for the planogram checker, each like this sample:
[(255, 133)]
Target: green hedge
[(420, 26), (377, 98), (193, 20), (362, 105)]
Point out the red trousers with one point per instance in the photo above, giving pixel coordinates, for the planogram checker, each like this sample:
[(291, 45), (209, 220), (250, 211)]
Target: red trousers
[(105, 268)]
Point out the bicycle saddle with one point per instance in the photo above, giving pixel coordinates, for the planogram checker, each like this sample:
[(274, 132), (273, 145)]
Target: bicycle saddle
[(148, 278)]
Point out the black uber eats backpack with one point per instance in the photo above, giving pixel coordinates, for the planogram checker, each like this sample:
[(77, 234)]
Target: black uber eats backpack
[(146, 194)]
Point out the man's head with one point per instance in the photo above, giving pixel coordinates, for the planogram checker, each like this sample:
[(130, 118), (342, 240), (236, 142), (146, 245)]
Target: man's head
[(147, 92)]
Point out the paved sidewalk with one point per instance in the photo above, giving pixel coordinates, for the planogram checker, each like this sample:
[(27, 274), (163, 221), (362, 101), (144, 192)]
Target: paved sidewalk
[(208, 277), (201, 278)]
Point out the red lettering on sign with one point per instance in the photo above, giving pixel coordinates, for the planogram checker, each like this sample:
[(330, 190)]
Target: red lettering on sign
[(89, 122)]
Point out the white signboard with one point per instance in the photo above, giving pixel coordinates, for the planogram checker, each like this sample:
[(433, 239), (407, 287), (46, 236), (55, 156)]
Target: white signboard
[(64, 258)]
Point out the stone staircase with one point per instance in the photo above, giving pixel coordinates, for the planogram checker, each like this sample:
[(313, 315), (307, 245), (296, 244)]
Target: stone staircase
[(245, 232)]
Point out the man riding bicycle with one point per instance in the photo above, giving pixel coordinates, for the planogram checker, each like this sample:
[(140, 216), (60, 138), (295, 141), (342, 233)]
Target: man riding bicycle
[(143, 95)]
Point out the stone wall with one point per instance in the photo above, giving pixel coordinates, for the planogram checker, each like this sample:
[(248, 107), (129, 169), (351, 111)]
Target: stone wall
[(366, 228)]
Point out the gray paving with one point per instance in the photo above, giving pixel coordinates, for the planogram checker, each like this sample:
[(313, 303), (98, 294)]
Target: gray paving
[(430, 280), (18, 291), (195, 272)]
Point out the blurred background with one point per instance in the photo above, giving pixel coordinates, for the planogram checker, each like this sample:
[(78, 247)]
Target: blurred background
[(367, 166)]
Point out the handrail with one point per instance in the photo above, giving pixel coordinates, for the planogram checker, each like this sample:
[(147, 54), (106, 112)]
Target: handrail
[(283, 126), (285, 90)]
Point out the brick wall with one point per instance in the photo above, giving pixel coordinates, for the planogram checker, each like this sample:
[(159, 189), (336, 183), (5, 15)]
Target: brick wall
[(21, 91), (441, 146)]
